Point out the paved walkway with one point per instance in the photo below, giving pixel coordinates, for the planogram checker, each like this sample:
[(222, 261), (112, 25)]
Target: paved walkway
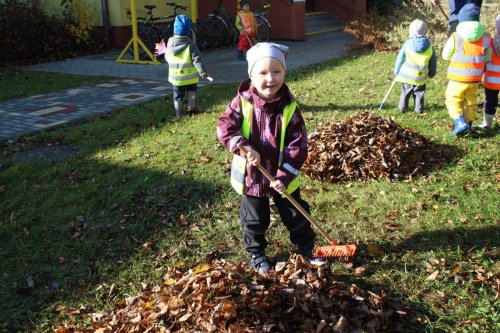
[(136, 83)]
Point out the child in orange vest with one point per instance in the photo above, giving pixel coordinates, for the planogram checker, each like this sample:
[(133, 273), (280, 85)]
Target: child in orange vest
[(467, 49), (245, 23), (491, 80)]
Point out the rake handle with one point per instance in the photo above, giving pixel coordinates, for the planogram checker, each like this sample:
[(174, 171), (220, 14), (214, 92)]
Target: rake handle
[(442, 11), (292, 200), (387, 94)]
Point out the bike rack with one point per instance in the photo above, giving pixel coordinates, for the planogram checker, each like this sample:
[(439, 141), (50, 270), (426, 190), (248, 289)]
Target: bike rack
[(136, 41)]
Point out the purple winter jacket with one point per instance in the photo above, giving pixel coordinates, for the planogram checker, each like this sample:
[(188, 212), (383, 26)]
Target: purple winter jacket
[(265, 134)]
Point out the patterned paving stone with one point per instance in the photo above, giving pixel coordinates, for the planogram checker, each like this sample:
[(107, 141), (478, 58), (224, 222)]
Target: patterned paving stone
[(31, 114)]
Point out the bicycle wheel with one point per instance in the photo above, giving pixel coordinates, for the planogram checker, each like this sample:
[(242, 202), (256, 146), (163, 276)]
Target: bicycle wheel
[(232, 35), (212, 32), (145, 34), (263, 32)]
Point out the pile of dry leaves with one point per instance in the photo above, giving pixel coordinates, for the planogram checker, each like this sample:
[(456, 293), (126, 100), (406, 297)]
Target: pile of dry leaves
[(224, 297), (365, 146)]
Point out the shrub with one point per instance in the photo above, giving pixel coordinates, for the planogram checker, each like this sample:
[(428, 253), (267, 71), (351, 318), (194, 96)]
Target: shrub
[(29, 35), (385, 26)]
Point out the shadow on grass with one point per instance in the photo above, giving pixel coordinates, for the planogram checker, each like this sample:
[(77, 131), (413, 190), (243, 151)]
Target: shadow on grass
[(85, 221), (463, 239)]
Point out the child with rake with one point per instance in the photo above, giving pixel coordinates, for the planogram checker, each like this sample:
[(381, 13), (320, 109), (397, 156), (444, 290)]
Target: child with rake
[(264, 118), (245, 23), (415, 63)]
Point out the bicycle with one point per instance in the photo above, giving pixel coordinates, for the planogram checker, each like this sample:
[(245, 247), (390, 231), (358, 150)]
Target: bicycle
[(151, 33), (219, 28), (147, 32), (263, 33)]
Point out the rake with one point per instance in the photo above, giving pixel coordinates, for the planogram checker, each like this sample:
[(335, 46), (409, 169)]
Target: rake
[(334, 250)]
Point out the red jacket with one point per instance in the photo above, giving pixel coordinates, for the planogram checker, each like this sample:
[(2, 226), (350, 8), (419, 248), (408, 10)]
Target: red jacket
[(264, 137)]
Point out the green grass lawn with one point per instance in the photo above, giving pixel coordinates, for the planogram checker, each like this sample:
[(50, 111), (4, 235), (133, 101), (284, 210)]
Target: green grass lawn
[(15, 83), (148, 191)]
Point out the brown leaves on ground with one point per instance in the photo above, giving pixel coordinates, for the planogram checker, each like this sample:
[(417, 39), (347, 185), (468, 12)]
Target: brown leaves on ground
[(225, 297), (365, 146)]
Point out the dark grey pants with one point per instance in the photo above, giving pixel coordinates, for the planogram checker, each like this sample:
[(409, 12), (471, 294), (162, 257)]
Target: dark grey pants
[(255, 217), (409, 90), (491, 103)]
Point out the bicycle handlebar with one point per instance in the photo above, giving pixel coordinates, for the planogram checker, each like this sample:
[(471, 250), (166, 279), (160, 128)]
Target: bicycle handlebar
[(176, 5)]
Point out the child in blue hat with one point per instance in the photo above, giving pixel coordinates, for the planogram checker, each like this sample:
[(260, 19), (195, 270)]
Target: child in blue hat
[(184, 65)]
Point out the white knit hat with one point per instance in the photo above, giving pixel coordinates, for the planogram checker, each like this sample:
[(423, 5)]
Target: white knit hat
[(264, 50), (418, 28), (497, 24)]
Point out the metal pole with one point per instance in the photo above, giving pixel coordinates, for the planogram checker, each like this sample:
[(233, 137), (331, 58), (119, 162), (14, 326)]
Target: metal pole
[(105, 23), (194, 10)]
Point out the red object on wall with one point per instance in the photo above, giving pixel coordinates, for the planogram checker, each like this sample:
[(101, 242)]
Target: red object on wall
[(288, 20), (346, 10)]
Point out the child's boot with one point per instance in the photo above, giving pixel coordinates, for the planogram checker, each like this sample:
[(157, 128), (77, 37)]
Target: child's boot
[(460, 126), (487, 122), (178, 105), (307, 252), (259, 262), (191, 102), (241, 55)]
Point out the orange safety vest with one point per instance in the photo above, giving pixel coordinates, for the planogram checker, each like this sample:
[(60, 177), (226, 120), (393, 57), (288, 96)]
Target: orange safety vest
[(468, 59), (248, 23), (491, 78)]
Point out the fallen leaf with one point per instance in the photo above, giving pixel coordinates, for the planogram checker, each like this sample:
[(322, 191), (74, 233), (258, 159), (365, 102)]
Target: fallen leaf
[(374, 250), (432, 277)]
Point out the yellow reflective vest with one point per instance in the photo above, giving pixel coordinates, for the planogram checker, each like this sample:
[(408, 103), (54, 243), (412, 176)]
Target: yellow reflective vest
[(238, 166), (415, 68), (181, 70)]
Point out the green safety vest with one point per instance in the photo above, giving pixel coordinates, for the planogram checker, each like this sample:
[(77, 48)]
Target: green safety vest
[(181, 70), (415, 68), (238, 167)]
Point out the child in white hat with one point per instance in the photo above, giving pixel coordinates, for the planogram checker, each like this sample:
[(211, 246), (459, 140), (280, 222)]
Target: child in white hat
[(491, 80), (416, 62), (265, 119)]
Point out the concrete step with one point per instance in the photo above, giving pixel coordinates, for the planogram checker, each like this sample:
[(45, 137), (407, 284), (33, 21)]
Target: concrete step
[(322, 22)]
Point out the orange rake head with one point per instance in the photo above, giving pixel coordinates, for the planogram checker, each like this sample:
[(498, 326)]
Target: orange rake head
[(335, 251)]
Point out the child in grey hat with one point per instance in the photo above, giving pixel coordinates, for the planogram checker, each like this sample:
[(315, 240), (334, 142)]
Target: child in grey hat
[(416, 62)]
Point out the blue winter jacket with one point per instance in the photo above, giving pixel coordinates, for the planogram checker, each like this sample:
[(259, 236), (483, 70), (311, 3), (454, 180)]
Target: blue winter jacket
[(416, 44), (456, 5)]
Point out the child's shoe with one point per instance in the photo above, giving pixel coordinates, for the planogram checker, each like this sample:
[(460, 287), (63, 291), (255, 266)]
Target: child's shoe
[(460, 126), (487, 122), (307, 252), (259, 262)]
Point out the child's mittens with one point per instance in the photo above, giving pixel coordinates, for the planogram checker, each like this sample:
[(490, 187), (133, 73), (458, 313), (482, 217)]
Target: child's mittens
[(160, 48)]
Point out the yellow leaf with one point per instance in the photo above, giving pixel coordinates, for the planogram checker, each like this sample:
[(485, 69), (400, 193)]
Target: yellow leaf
[(169, 281), (181, 264), (201, 268)]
